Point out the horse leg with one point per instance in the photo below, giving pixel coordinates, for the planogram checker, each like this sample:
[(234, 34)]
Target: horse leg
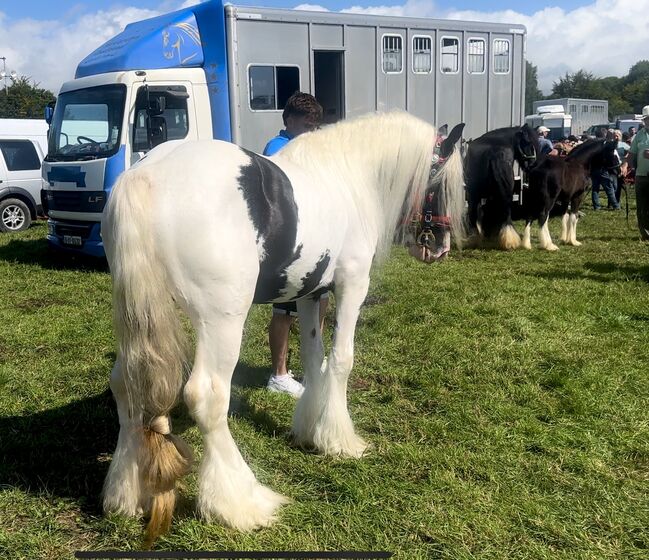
[(527, 241), (123, 492), (545, 241), (565, 227), (321, 418), (575, 203), (228, 490)]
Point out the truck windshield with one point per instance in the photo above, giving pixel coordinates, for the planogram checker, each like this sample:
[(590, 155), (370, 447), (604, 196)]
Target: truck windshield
[(87, 123)]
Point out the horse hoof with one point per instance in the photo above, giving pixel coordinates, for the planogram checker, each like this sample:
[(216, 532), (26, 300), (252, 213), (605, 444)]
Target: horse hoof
[(575, 243), (552, 247)]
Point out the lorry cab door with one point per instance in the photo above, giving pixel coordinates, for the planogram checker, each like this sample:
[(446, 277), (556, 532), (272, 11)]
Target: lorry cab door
[(161, 112)]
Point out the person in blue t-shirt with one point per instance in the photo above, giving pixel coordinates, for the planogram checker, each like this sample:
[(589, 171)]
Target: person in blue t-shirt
[(302, 113), (545, 144)]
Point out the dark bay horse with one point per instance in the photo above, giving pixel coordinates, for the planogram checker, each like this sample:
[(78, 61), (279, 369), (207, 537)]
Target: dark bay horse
[(559, 183), (489, 169)]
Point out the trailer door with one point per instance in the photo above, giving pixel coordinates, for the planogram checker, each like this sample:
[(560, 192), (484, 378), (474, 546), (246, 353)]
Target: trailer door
[(329, 86)]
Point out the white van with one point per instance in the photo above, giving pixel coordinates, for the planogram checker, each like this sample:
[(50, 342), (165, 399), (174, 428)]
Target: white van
[(23, 145)]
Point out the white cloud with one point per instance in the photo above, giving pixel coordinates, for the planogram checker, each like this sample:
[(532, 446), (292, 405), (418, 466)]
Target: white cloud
[(605, 37)]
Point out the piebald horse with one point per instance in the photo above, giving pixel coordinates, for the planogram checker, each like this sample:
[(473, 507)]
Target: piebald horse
[(213, 228)]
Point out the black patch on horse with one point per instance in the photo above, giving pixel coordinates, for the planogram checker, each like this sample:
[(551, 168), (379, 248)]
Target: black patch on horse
[(271, 205)]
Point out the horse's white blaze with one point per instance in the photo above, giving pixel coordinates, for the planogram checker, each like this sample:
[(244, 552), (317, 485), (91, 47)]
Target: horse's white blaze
[(527, 240)]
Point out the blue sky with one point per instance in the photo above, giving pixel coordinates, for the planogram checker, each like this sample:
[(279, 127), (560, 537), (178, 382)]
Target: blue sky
[(43, 9), (46, 39)]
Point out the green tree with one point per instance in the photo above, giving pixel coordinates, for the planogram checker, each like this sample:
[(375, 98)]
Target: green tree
[(24, 100), (532, 91)]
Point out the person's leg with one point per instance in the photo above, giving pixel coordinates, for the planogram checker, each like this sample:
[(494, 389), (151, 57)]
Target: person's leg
[(281, 380), (595, 179), (609, 187), (642, 205)]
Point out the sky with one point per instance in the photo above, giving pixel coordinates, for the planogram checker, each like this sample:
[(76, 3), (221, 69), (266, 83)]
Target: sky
[(45, 40)]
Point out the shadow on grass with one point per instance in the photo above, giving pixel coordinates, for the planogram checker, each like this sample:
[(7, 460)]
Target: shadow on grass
[(62, 451), (37, 252), (66, 451), (599, 272)]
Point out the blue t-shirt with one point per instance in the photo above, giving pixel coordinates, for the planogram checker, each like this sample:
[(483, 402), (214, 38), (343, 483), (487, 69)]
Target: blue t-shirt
[(277, 143)]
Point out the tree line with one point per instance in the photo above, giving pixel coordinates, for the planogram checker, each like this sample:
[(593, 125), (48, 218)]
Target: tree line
[(627, 94), (24, 99)]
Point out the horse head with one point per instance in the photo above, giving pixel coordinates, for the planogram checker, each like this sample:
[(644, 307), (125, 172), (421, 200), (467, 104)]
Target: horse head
[(526, 147), (432, 231)]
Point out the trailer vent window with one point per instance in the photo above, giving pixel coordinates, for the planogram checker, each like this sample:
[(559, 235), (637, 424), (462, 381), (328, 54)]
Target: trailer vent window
[(392, 54), (450, 53), (270, 87), (501, 56), (573, 109), (476, 56), (422, 62), (584, 108)]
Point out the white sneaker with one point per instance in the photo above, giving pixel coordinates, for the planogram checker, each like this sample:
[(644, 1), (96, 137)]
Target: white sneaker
[(285, 384)]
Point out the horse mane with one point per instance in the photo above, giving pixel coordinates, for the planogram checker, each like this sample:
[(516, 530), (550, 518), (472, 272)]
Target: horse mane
[(582, 152), (381, 160)]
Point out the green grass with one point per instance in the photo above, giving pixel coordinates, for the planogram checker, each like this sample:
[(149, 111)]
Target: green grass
[(505, 396)]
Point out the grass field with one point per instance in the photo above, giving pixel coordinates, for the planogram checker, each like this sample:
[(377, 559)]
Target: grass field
[(505, 396)]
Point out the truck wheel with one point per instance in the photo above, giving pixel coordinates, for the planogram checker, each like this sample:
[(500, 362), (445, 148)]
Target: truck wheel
[(14, 215)]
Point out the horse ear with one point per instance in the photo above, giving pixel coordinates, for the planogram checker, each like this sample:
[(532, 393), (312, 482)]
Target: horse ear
[(448, 144)]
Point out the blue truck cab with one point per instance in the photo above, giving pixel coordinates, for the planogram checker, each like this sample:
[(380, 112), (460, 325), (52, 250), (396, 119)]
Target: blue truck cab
[(156, 81)]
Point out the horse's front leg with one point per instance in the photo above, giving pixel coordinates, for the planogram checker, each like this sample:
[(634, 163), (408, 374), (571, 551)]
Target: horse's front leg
[(575, 203), (527, 234), (565, 227), (321, 419)]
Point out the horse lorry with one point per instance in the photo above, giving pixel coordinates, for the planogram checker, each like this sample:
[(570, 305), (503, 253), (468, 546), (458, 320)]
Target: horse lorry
[(225, 72)]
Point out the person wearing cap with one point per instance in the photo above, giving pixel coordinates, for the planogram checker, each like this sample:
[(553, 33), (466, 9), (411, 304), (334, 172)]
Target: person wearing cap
[(545, 144), (638, 158)]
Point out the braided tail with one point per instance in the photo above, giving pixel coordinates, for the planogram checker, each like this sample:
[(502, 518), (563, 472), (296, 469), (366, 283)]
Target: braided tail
[(151, 343)]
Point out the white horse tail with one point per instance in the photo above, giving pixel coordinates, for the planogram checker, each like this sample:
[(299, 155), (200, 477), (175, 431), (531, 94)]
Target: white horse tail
[(151, 343), (451, 179)]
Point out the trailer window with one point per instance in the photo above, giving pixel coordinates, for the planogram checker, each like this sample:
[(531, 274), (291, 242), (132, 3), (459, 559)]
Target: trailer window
[(19, 155), (422, 62), (501, 56), (475, 56), (269, 87), (450, 55), (392, 54)]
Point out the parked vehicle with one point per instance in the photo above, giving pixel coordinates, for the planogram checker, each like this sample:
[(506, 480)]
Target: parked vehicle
[(584, 113), (23, 144), (554, 118), (225, 72), (625, 122)]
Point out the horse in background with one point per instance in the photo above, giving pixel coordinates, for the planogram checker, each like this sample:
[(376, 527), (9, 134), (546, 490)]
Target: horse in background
[(490, 182), (561, 182), (213, 228)]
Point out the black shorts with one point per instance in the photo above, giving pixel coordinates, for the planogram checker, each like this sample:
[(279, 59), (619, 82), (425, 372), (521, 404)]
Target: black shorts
[(290, 307)]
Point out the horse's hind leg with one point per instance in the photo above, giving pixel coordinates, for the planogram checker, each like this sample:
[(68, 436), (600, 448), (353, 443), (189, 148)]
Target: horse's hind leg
[(575, 203), (565, 227), (321, 419), (545, 241), (123, 492), (527, 234), (228, 490)]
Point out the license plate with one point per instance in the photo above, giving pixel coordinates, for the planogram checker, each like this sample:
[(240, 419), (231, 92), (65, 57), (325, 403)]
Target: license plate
[(72, 240)]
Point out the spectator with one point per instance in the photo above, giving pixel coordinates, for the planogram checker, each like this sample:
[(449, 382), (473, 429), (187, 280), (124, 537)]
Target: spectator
[(603, 177), (544, 142), (302, 113), (638, 158)]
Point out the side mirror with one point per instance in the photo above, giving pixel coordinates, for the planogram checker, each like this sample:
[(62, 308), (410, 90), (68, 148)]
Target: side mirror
[(49, 113)]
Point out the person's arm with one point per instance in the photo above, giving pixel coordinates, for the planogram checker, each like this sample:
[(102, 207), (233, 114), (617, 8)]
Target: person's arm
[(631, 157)]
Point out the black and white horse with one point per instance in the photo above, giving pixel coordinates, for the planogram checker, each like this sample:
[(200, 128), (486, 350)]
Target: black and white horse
[(214, 228), (489, 166), (562, 181)]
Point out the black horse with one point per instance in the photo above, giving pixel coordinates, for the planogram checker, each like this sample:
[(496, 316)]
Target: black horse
[(557, 186), (489, 168)]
